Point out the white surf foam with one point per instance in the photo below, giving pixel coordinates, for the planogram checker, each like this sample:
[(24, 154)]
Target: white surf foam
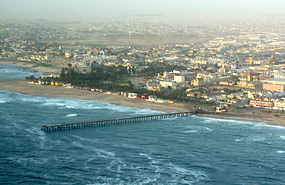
[(281, 151), (190, 131), (198, 129), (27, 161), (282, 137), (85, 139), (238, 140), (196, 176), (71, 115), (2, 101), (258, 138), (100, 152), (241, 122)]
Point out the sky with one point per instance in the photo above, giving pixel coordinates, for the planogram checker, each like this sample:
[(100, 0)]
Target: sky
[(173, 10)]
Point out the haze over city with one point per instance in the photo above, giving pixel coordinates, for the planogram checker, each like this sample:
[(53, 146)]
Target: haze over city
[(162, 10), (142, 92)]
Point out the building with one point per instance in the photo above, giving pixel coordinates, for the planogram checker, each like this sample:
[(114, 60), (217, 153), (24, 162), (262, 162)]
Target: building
[(167, 83), (261, 104), (67, 54), (274, 84), (50, 75), (198, 82), (179, 78), (279, 105)]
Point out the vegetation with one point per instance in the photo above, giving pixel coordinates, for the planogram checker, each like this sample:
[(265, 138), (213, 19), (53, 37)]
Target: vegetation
[(158, 67), (108, 78)]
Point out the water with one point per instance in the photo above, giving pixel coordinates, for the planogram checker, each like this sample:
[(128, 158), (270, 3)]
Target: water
[(10, 72), (189, 150)]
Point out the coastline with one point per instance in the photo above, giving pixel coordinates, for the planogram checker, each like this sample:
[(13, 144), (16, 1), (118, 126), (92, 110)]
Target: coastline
[(31, 66), (22, 86)]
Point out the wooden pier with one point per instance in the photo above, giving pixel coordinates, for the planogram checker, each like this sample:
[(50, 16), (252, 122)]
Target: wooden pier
[(88, 124)]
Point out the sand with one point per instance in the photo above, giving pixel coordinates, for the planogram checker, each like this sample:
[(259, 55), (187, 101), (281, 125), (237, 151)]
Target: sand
[(22, 86)]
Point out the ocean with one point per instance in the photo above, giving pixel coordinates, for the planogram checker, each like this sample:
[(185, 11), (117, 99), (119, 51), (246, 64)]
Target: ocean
[(190, 150)]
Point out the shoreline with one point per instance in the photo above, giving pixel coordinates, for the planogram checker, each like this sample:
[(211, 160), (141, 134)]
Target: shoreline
[(23, 87), (31, 66)]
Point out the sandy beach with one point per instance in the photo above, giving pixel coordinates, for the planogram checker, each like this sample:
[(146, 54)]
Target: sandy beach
[(22, 86)]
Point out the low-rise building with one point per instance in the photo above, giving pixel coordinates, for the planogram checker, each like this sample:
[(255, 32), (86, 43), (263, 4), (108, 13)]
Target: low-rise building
[(198, 82), (279, 105), (274, 84), (261, 104)]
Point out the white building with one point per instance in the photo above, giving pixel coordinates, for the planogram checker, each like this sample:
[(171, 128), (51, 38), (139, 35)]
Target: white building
[(179, 78), (167, 83), (279, 105)]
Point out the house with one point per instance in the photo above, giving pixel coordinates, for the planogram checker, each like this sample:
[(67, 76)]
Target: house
[(50, 75), (279, 105), (274, 84), (261, 104), (198, 82)]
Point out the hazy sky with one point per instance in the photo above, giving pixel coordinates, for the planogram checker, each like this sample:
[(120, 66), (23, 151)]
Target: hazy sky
[(182, 10)]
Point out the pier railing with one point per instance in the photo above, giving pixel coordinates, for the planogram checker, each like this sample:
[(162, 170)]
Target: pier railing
[(88, 124)]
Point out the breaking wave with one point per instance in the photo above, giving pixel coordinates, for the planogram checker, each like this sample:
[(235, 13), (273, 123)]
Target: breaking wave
[(71, 115)]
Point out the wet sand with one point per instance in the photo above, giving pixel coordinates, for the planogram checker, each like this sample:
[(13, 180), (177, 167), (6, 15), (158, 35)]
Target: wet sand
[(22, 86)]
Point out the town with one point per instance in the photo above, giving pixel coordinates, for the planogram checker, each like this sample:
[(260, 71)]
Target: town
[(227, 65)]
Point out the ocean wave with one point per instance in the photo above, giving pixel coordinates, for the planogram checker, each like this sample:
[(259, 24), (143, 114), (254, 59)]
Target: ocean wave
[(28, 161), (198, 129), (178, 174), (71, 115), (241, 122), (2, 101), (187, 176), (282, 137), (11, 71), (100, 152), (258, 138), (84, 139), (239, 140), (69, 103), (88, 105), (281, 151), (191, 131)]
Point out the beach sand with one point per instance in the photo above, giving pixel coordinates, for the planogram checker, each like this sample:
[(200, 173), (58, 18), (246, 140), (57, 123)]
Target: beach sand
[(257, 115), (24, 87)]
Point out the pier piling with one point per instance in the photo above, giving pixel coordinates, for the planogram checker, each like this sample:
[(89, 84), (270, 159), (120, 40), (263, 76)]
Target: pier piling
[(88, 124)]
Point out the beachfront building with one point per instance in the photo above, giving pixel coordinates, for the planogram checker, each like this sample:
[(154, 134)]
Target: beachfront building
[(274, 84), (280, 105), (50, 75), (261, 104)]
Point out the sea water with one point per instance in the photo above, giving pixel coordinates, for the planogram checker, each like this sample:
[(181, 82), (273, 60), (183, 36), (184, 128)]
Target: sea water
[(189, 150)]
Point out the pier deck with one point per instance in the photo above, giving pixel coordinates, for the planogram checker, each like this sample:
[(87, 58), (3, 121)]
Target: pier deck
[(88, 124)]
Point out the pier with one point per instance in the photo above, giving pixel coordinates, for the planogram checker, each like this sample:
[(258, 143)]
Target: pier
[(89, 124)]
